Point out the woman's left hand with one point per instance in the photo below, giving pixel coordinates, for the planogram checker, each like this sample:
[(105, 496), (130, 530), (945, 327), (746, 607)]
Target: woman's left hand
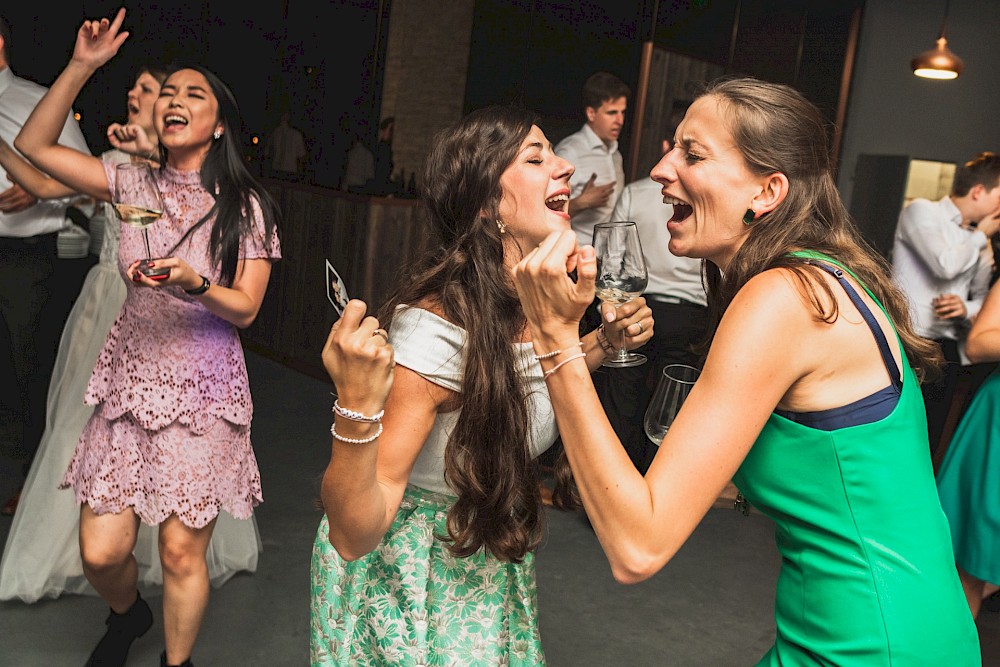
[(181, 273), (634, 318)]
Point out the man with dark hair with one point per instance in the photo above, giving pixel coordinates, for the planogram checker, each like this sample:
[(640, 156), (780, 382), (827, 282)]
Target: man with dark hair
[(593, 150), (34, 298), (940, 259)]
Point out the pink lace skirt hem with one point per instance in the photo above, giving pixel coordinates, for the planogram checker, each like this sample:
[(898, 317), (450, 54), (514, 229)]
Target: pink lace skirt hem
[(118, 464)]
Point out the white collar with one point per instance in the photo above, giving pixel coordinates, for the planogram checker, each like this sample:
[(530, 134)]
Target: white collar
[(954, 215), (595, 141), (6, 78)]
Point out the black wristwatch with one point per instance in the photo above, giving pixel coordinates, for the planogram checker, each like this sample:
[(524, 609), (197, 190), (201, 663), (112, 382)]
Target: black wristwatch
[(200, 289)]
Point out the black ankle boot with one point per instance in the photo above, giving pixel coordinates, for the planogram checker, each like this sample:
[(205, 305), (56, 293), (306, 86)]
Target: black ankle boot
[(163, 661), (123, 629)]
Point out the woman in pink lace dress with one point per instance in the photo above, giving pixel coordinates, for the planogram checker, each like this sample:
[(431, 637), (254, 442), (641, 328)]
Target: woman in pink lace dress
[(169, 440)]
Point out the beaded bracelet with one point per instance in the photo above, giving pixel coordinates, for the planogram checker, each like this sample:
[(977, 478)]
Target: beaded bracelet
[(355, 441), (578, 355), (356, 416), (556, 353)]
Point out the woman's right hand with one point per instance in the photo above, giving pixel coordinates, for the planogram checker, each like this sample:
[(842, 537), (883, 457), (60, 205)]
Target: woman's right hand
[(359, 360), (553, 303), (98, 41)]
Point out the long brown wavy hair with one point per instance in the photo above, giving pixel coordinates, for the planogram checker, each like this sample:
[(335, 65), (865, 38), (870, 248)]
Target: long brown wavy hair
[(777, 130), (488, 462)]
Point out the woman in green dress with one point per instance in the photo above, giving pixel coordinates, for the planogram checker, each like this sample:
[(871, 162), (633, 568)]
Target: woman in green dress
[(808, 399), (967, 478), (424, 556)]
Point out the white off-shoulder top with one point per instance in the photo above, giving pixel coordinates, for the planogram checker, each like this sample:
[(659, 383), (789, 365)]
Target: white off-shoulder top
[(434, 348)]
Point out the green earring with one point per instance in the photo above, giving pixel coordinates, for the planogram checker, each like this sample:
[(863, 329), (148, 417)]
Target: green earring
[(749, 216)]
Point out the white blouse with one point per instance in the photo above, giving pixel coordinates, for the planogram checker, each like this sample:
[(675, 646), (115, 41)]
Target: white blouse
[(434, 348)]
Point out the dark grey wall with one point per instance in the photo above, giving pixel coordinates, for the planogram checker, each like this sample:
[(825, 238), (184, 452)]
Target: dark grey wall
[(891, 111)]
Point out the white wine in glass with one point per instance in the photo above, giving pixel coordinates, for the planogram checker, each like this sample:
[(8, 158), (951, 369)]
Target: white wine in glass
[(621, 276), (138, 204)]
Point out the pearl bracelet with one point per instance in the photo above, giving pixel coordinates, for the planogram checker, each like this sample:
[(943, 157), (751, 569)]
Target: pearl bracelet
[(356, 416), (556, 353), (354, 441)]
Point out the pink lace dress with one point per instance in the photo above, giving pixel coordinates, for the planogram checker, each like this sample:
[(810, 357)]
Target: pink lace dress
[(171, 430)]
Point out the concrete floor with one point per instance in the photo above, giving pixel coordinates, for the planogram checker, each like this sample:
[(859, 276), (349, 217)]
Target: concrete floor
[(712, 605)]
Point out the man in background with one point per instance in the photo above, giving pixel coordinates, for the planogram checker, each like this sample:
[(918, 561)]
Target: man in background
[(600, 175), (287, 149), (938, 261), (383, 153), (676, 295), (36, 288)]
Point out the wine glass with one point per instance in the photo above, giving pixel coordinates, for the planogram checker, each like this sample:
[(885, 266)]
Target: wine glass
[(674, 386), (621, 275), (137, 202)]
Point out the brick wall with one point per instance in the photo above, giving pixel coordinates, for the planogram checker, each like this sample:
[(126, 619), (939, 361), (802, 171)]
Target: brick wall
[(427, 58)]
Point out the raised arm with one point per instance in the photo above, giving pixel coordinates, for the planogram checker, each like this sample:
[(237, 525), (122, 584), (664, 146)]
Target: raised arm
[(96, 43), (364, 481), (642, 522), (33, 181)]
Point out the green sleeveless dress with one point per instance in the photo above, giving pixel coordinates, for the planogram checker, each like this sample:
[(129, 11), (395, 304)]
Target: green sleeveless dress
[(868, 576), (967, 484)]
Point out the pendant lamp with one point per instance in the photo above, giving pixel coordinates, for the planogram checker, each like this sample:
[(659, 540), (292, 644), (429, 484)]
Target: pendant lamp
[(939, 62)]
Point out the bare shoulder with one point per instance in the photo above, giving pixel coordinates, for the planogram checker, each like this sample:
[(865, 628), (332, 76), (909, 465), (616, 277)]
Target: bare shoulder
[(765, 338), (769, 319), (779, 291)]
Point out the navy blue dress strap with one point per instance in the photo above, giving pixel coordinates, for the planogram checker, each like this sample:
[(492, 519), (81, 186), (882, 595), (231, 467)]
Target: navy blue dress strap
[(870, 408)]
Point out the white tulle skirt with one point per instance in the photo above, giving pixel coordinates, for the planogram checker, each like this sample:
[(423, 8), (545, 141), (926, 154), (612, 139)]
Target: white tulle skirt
[(42, 556)]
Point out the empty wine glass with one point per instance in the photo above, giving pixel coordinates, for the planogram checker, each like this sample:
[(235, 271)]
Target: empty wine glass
[(674, 386), (621, 275), (138, 204)]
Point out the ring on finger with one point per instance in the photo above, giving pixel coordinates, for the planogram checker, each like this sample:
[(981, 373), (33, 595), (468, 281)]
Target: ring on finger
[(382, 333), (639, 324)]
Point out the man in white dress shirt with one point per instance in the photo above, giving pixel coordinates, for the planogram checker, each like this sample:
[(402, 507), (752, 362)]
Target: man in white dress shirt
[(676, 295), (600, 175), (34, 288), (938, 261)]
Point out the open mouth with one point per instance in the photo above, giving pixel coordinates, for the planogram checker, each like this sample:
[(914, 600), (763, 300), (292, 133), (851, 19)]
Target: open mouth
[(133, 109), (557, 202), (174, 121), (681, 208)]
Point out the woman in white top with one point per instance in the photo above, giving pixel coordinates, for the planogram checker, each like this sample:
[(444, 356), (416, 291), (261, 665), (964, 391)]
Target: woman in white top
[(432, 513)]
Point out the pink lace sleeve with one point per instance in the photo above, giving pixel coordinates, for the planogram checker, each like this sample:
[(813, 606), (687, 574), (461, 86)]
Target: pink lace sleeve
[(255, 245)]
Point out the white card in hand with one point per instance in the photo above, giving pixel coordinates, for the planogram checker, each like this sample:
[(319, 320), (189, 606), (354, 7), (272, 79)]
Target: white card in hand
[(336, 291)]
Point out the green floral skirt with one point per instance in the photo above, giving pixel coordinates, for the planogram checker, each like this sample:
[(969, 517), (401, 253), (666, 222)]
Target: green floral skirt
[(411, 603)]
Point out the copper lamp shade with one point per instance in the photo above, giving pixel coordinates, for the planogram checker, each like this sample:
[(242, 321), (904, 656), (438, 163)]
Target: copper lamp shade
[(938, 63)]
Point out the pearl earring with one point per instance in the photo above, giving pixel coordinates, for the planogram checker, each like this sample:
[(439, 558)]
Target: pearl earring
[(502, 227), (217, 134)]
